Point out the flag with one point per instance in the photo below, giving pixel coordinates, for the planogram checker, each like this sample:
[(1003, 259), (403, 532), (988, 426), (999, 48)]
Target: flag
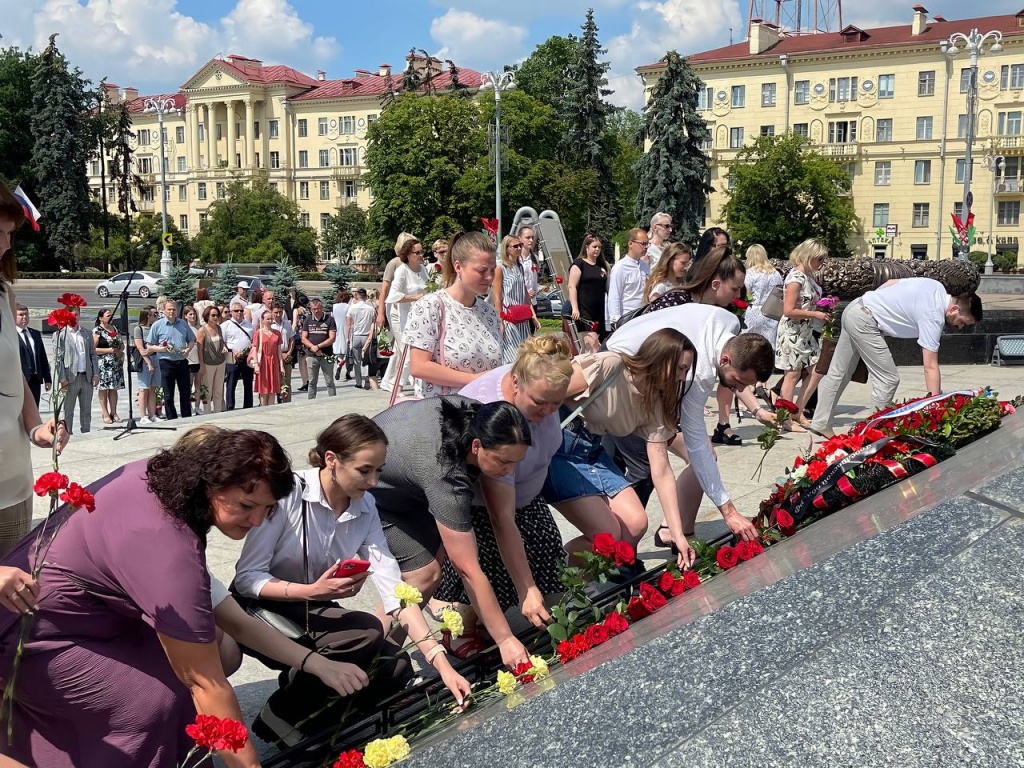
[(491, 229), (31, 212)]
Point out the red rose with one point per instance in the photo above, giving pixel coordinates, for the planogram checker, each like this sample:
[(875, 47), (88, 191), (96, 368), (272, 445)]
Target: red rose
[(678, 587), (77, 496), (558, 279), (651, 597), (786, 405), (637, 609), (597, 634), (624, 553), (691, 579), (740, 304), (51, 483), (604, 545), (788, 530), (783, 518), (816, 469), (216, 733), (615, 623), (1006, 408), (756, 547), (727, 557), (351, 759), (63, 318), (744, 551), (71, 300), (665, 582)]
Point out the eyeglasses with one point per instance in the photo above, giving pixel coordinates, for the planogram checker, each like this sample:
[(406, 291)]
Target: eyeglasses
[(235, 310), (666, 226), (644, 243), (517, 247)]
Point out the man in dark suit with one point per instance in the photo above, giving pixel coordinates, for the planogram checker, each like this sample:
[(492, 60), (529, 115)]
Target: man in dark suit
[(34, 364)]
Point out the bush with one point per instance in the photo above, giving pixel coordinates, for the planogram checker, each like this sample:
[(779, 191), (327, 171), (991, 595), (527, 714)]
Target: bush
[(1005, 262), (978, 259)]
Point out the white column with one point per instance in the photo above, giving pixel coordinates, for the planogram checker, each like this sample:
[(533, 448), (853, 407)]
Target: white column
[(232, 138), (192, 117), (211, 160), (250, 142)]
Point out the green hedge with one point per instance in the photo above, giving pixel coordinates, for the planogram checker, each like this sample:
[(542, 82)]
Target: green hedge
[(360, 277), (97, 276)]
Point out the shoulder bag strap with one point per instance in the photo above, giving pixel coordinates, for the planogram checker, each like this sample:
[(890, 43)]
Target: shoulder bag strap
[(247, 335), (593, 396)]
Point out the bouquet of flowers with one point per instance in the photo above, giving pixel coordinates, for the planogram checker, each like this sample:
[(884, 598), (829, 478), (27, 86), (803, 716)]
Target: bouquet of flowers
[(385, 344), (166, 346), (828, 304)]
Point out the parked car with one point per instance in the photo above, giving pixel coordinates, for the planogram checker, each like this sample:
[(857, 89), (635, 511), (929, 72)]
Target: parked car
[(548, 303), (144, 284)]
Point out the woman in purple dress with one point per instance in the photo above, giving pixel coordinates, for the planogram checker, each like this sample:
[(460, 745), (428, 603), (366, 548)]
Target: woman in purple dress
[(122, 650)]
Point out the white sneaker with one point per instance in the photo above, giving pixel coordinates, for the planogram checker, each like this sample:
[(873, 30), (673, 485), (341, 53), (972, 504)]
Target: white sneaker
[(144, 420)]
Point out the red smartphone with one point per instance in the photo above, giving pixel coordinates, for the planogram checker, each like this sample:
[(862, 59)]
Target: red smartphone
[(352, 567)]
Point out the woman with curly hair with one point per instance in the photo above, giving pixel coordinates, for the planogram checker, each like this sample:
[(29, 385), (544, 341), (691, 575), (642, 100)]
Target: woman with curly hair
[(123, 650)]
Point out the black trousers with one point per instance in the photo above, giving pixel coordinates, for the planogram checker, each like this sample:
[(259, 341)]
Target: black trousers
[(174, 374), (234, 373), (35, 385)]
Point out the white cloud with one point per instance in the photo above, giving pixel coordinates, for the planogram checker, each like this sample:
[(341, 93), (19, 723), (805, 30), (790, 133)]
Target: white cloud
[(479, 43), (274, 29)]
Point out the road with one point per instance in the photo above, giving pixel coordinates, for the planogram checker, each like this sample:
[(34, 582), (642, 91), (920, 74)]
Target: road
[(42, 294)]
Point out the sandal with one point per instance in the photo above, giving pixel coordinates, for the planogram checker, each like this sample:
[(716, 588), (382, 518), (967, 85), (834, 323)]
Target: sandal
[(763, 393), (660, 542), (720, 438)]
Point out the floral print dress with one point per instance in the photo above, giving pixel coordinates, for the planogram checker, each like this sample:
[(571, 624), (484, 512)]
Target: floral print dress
[(112, 365), (796, 345)]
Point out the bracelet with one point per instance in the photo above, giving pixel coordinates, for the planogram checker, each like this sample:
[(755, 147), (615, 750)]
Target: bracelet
[(757, 411), (32, 432), (302, 666), (434, 652), (286, 585)]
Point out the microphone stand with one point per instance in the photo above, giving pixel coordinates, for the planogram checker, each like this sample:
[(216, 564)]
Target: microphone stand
[(130, 425)]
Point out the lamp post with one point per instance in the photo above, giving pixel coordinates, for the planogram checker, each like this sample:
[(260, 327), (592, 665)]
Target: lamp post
[(161, 107), (502, 81), (974, 44), (996, 164)]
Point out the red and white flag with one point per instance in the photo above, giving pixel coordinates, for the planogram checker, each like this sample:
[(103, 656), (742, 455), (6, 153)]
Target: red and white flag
[(31, 212)]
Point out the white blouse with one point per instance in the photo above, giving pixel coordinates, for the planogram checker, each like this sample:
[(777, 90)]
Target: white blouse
[(408, 282)]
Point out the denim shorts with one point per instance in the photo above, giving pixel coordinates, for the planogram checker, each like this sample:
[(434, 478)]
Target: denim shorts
[(580, 468)]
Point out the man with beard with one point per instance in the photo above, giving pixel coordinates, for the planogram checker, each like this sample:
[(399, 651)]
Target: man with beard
[(911, 308)]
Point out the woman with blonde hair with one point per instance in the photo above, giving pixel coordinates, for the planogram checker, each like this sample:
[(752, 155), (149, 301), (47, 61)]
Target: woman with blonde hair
[(798, 342), (669, 273), (408, 287), (511, 302)]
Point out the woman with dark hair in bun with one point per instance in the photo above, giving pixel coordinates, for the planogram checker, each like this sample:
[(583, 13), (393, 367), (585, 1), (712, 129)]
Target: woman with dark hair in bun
[(123, 650), (439, 448)]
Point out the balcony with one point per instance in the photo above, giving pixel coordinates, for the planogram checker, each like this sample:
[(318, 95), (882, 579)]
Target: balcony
[(1008, 142), (341, 201), (146, 206), (347, 172), (839, 150), (1009, 186)]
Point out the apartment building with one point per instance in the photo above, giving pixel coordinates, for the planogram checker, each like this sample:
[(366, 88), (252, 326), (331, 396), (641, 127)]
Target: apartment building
[(890, 105)]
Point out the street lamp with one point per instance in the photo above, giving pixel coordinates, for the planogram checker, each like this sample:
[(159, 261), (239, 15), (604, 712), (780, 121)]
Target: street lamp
[(974, 44), (503, 81), (996, 164), (161, 107)]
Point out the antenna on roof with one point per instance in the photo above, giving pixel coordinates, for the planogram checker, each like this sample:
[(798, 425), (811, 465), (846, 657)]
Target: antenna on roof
[(798, 17)]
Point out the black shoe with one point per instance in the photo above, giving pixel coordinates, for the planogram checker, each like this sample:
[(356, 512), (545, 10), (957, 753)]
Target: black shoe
[(337, 375), (660, 542), (303, 388), (762, 393), (720, 438)]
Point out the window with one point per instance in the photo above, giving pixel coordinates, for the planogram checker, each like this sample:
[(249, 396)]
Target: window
[(961, 126), (922, 171), (303, 128), (348, 156), (145, 165), (275, 130), (256, 159), (883, 129), (325, 190), (350, 189), (167, 194), (256, 130), (1009, 123), (371, 119), (166, 165), (202, 220), (303, 190), (924, 128), (842, 88), (321, 126), (348, 124), (961, 170), (325, 221), (958, 210), (238, 159), (273, 185), (163, 135), (801, 91), (883, 173), (886, 86), (202, 161), (1011, 77), (800, 129), (143, 137), (325, 158), (880, 215), (181, 165), (94, 168), (201, 190), (219, 133), (926, 83), (275, 159), (183, 222), (767, 130), (1012, 166), (735, 138), (182, 193), (705, 99), (965, 79), (220, 190), (303, 159), (202, 132), (1009, 213), (842, 132), (767, 94), (148, 196), (739, 96), (920, 214), (304, 219), (179, 134)]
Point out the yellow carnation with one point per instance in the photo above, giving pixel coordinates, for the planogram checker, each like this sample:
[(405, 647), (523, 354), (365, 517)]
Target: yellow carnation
[(408, 594), (376, 754), (398, 748), (506, 682), (538, 668), (451, 621)]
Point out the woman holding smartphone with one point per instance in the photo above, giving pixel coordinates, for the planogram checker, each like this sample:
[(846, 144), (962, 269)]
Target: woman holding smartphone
[(293, 566)]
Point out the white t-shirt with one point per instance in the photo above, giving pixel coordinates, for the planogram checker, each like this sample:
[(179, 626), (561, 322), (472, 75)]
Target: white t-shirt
[(913, 308), (709, 328), (363, 316), (340, 312)]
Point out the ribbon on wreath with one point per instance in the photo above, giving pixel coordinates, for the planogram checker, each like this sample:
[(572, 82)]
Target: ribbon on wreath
[(918, 405), (898, 471)]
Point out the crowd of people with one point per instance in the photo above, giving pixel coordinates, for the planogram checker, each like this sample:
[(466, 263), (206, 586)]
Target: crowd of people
[(132, 636)]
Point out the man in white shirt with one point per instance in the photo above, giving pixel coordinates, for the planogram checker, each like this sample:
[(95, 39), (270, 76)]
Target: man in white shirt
[(253, 315), (77, 370), (724, 356), (238, 338), (911, 308), (660, 231), (359, 325), (628, 278), (239, 298)]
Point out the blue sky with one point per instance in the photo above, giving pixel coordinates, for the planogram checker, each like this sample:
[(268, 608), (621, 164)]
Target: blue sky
[(156, 45)]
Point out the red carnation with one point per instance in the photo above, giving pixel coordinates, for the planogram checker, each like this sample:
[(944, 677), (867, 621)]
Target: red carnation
[(756, 547), (783, 518), (604, 545), (77, 496), (615, 623), (786, 405), (51, 483), (872, 434), (665, 582), (637, 609), (727, 557), (691, 579), (71, 300), (798, 462), (624, 553), (63, 318), (744, 551), (566, 651), (581, 644), (1006, 408), (351, 759), (521, 671), (816, 469), (216, 733), (597, 634), (678, 587)]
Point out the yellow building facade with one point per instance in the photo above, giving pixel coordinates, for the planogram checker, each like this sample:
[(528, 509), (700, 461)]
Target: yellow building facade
[(236, 119), (891, 107)]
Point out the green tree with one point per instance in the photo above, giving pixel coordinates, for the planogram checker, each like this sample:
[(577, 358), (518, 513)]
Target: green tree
[(179, 285), (626, 137), (256, 223), (544, 74), (341, 275), (17, 70), (673, 175), (226, 285), (284, 279), (63, 134), (345, 232), (784, 193)]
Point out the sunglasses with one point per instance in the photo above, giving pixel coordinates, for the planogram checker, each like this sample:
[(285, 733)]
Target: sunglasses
[(517, 247)]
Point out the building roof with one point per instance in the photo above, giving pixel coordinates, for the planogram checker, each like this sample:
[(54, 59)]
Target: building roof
[(854, 39), (375, 85), (138, 105)]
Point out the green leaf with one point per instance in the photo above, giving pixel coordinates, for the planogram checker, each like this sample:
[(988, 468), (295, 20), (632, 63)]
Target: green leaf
[(557, 632)]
